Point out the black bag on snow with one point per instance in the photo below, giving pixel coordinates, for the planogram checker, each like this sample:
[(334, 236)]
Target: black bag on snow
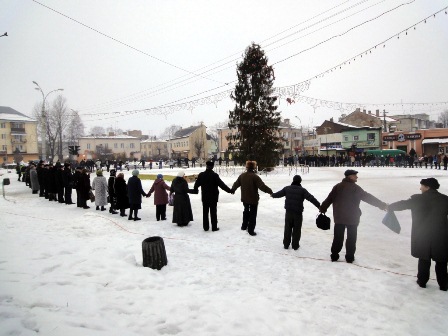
[(323, 222)]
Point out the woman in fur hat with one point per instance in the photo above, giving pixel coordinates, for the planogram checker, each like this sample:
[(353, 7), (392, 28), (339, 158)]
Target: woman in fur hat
[(429, 235)]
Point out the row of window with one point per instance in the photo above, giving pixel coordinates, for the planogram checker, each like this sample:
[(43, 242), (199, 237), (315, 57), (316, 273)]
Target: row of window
[(370, 136), (150, 146), (13, 125), (131, 145)]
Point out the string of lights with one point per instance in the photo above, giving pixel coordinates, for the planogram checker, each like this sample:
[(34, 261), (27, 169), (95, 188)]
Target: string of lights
[(175, 83), (291, 92)]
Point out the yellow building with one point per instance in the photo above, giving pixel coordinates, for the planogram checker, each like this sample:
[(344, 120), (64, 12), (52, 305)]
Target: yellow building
[(18, 136), (154, 149), (94, 147), (190, 142)]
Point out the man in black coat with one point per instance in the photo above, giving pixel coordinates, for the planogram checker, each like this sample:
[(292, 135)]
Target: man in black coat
[(209, 182), (429, 236), (295, 195), (67, 179)]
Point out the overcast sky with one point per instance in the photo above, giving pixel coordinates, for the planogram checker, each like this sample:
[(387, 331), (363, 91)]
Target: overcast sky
[(116, 56)]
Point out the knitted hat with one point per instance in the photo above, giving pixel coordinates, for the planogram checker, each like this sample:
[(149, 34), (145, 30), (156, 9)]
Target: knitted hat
[(99, 172), (297, 179), (159, 176), (135, 172), (430, 182), (181, 173), (113, 172)]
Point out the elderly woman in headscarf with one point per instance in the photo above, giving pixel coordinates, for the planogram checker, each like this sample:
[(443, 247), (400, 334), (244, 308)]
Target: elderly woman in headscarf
[(99, 184), (160, 196), (33, 179), (182, 213), (135, 193)]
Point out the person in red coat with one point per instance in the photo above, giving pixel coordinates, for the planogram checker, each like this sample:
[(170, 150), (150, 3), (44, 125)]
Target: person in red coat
[(160, 196)]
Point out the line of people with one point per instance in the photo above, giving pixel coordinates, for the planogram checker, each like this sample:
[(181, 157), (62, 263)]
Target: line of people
[(429, 235)]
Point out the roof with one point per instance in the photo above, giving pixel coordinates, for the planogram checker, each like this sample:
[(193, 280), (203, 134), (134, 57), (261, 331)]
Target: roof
[(436, 140), (7, 113), (153, 141), (185, 132)]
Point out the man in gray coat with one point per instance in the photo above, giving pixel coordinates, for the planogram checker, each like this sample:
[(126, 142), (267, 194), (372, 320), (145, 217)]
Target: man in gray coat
[(429, 236), (346, 197)]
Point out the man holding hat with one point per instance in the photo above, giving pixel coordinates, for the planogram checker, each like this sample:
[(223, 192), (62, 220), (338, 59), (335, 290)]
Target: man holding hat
[(346, 197), (429, 236), (209, 182)]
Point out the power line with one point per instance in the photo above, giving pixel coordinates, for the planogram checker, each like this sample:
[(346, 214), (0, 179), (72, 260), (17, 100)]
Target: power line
[(123, 43)]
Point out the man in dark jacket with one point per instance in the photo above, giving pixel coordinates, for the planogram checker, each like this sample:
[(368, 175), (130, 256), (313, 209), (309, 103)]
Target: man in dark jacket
[(429, 236), (135, 193), (67, 178), (209, 182), (345, 197), (250, 182), (295, 195)]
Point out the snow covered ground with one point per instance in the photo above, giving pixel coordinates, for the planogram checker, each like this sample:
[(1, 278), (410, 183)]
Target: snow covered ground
[(68, 271)]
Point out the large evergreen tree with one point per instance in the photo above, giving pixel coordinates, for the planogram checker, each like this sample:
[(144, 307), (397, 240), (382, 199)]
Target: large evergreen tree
[(255, 117)]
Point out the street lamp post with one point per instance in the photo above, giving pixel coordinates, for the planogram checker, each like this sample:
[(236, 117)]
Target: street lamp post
[(44, 119)]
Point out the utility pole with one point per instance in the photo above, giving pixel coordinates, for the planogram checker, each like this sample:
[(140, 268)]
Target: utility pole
[(384, 120)]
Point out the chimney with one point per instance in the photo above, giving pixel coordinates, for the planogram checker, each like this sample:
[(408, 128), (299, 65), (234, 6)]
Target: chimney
[(370, 112), (287, 121), (331, 119), (377, 113), (364, 111), (358, 109), (111, 134)]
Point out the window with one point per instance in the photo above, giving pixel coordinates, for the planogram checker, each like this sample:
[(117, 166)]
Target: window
[(187, 143), (3, 136), (3, 125), (122, 145), (131, 145), (356, 137), (345, 137), (115, 145), (370, 136), (4, 147), (88, 146)]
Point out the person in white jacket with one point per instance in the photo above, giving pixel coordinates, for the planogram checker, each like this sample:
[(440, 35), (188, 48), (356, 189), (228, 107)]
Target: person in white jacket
[(99, 184)]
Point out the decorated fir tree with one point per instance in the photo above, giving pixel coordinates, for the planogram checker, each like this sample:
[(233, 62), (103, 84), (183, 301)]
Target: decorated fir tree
[(254, 121)]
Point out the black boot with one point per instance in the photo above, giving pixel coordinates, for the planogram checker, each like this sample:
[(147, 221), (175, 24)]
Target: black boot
[(97, 207), (103, 208), (112, 211)]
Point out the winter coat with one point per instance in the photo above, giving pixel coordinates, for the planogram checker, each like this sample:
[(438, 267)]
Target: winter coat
[(99, 184), (209, 182), (135, 192), (50, 181), (121, 192), (67, 178), (250, 183), (429, 234), (346, 197), (34, 180), (158, 188), (295, 195), (83, 186), (182, 213)]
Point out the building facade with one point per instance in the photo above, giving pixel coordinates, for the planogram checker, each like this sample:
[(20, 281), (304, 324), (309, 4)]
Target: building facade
[(154, 149), (18, 136), (124, 147), (190, 142), (424, 142)]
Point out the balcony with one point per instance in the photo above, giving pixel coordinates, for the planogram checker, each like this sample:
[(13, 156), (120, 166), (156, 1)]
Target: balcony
[(18, 130), (18, 141)]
